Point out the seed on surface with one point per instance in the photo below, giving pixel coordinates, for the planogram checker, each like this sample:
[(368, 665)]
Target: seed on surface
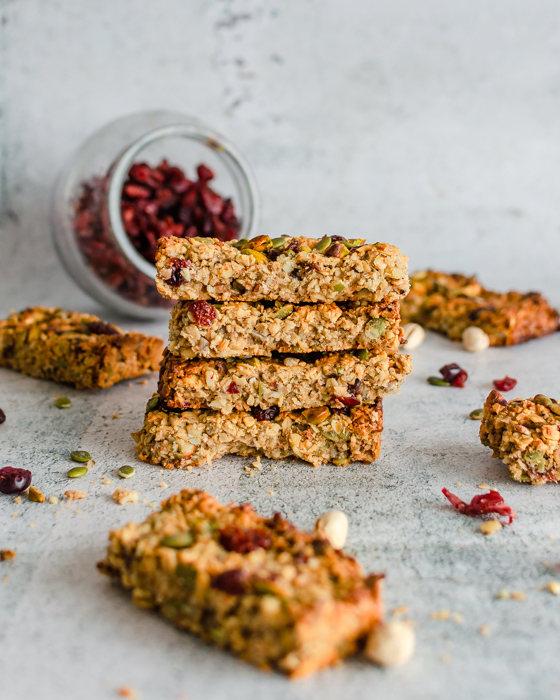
[(362, 354), (179, 540), (63, 402), (355, 243), (126, 472), (338, 287), (80, 456), (374, 328), (260, 243), (340, 461), (475, 339), (76, 472), (333, 526), (390, 643), (489, 527), (476, 414), (413, 335), (279, 242), (284, 311), (438, 381), (152, 403), (535, 459), (316, 415), (323, 244)]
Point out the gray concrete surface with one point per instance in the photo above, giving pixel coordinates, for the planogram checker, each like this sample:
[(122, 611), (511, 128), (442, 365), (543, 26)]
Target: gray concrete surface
[(431, 125)]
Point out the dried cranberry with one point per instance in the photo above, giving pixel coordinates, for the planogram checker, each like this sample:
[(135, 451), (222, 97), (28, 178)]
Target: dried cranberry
[(293, 245), (177, 279), (505, 384), (356, 387), (233, 582), (2, 417), (204, 173), (101, 328), (262, 414), (244, 540), (454, 375), (347, 400), (341, 410), (482, 504), (232, 388), (14, 480), (204, 314)]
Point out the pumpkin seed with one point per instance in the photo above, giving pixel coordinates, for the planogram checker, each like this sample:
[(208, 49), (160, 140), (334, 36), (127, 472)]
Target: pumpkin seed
[(76, 472), (316, 415), (279, 242), (338, 287), (542, 400), (152, 403), (62, 402), (323, 244), (179, 540), (80, 456), (476, 414), (362, 354), (535, 459), (126, 472), (438, 381)]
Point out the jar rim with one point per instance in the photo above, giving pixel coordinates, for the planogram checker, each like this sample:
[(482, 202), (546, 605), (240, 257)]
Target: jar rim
[(234, 160)]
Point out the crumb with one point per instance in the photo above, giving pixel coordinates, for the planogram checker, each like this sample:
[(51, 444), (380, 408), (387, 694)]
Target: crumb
[(36, 496), (446, 658), (518, 595), (116, 415), (554, 587), (257, 463), (143, 381), (53, 500), (483, 486), (489, 527), (247, 469), (271, 493), (31, 524), (75, 495), (484, 630), (440, 615), (163, 485), (551, 537), (457, 618), (273, 468), (126, 691), (85, 431), (7, 554), (151, 505), (105, 481), (401, 610), (4, 579), (503, 594), (459, 483), (17, 499), (15, 515), (122, 496)]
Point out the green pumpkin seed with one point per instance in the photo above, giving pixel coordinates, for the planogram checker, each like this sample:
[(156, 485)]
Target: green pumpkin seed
[(62, 402), (438, 381), (542, 400), (179, 540), (476, 414), (152, 403), (355, 243), (279, 242), (80, 456), (240, 242), (535, 459), (555, 408), (362, 354), (76, 472), (126, 472), (341, 461), (374, 328), (284, 311), (338, 287), (323, 244)]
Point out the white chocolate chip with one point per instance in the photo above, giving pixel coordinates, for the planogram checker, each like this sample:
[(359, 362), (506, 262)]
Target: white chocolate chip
[(390, 643), (333, 526), (413, 335), (475, 339)]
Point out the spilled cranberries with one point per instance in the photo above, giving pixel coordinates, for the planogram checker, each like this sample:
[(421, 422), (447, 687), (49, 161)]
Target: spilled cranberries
[(482, 504), (454, 375), (505, 384), (244, 540), (13, 480), (2, 417)]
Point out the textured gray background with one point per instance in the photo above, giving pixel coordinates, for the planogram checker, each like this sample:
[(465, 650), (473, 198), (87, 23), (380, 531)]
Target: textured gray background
[(431, 125)]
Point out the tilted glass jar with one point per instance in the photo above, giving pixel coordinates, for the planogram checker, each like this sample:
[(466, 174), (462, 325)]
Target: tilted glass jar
[(88, 203)]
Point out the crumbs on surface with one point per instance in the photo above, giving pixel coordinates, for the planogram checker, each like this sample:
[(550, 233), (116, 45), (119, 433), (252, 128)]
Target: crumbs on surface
[(122, 496), (75, 495), (7, 554), (36, 496)]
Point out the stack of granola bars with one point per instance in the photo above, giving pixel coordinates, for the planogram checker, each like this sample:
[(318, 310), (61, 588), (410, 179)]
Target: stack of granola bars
[(282, 347)]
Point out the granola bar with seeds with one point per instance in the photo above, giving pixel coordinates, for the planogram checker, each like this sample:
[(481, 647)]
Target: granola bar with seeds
[(237, 329), (287, 381), (75, 348), (525, 435), (450, 303), (204, 268), (193, 438), (258, 587)]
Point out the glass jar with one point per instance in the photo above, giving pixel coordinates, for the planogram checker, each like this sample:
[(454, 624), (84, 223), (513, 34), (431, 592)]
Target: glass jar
[(113, 259)]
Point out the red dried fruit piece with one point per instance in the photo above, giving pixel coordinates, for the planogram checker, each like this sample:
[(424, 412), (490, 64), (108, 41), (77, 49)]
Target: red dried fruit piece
[(101, 328), (2, 417), (262, 414), (233, 582), (482, 504), (342, 410), (204, 314), (177, 279), (13, 480), (505, 384), (232, 389), (347, 400), (137, 191), (204, 173), (454, 374), (244, 540)]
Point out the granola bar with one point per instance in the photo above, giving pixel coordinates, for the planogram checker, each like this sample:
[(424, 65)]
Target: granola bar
[(296, 270), (267, 592), (525, 435), (79, 349), (318, 435), (450, 303), (289, 382), (236, 329)]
